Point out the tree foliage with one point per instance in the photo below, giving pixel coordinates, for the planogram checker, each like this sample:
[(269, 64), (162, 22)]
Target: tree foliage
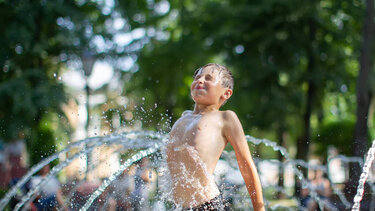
[(294, 63), (276, 50), (337, 134), (38, 40)]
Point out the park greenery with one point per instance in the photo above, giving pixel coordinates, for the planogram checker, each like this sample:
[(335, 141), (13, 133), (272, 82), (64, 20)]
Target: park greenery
[(302, 69)]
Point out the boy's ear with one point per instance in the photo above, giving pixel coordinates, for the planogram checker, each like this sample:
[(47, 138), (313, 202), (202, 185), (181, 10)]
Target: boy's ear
[(228, 93)]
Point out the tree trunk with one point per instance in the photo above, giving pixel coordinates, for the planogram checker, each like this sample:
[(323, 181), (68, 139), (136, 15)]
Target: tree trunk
[(303, 143), (281, 139), (363, 93)]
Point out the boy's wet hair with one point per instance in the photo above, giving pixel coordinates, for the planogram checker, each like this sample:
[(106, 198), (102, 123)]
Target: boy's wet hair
[(226, 75)]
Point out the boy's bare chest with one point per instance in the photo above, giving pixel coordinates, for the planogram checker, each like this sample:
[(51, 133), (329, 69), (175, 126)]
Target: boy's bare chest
[(196, 130)]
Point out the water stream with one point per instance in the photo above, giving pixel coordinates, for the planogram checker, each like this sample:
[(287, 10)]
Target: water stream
[(148, 143), (366, 169)]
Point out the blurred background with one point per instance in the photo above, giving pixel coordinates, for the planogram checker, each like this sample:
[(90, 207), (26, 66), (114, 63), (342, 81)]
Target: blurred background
[(71, 69)]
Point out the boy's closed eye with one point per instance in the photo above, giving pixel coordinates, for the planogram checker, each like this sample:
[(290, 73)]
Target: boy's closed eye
[(208, 77)]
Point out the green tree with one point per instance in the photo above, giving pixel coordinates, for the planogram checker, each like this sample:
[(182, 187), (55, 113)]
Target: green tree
[(286, 58), (364, 94), (338, 134), (38, 40)]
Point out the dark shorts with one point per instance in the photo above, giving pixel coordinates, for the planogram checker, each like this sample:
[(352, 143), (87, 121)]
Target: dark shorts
[(46, 204), (218, 203)]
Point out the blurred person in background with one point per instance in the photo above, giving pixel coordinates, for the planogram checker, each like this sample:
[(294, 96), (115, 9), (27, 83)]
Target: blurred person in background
[(50, 196)]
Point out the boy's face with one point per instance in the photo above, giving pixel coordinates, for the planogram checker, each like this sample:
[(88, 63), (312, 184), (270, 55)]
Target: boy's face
[(207, 87)]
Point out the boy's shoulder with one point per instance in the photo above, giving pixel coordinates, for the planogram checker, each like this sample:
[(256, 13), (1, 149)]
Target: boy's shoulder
[(186, 112), (228, 114), (230, 118)]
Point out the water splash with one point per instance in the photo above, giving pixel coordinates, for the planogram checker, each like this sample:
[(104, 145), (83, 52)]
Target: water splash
[(347, 159), (269, 143), (52, 173), (129, 140), (4, 201), (361, 186), (124, 166), (152, 141), (299, 174)]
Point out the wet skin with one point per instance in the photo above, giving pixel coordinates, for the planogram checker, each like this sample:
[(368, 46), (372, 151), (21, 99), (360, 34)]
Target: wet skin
[(192, 156), (198, 139)]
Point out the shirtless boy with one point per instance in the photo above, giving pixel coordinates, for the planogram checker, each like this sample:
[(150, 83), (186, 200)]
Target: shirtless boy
[(198, 139)]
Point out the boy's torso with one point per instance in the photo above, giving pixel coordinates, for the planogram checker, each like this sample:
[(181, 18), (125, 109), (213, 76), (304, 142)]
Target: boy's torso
[(196, 145)]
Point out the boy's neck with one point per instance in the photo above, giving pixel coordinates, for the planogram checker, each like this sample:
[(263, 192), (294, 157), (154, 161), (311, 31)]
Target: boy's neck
[(202, 109)]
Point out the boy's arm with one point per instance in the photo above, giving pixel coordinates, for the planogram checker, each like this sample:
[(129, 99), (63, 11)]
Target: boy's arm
[(234, 133)]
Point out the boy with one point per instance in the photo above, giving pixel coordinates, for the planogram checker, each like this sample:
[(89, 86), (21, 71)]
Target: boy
[(198, 139)]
